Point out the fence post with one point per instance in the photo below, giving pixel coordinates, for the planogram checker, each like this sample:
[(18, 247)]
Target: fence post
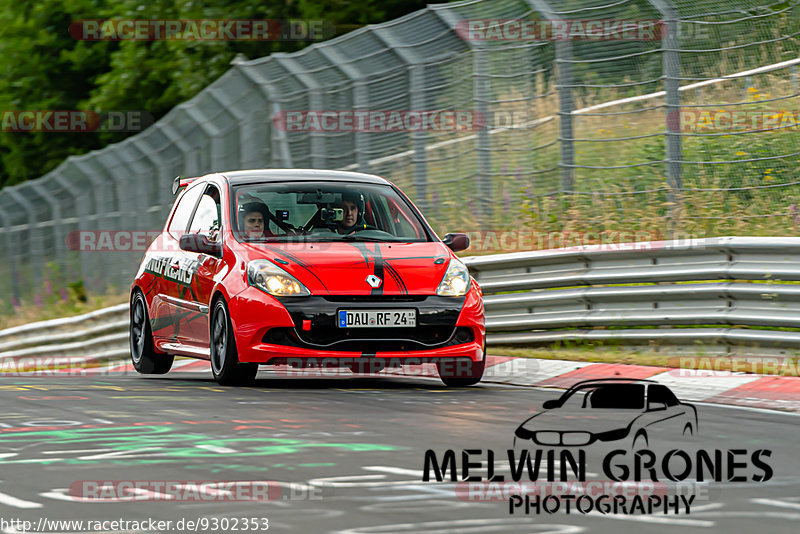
[(483, 146), (34, 238), (95, 272), (566, 105), (672, 72), (419, 137), (11, 251), (360, 99), (317, 139), (795, 78), (279, 154), (59, 239), (82, 211)]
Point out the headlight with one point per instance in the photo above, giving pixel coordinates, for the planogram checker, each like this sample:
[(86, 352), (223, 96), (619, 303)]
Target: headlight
[(271, 279), (456, 280)]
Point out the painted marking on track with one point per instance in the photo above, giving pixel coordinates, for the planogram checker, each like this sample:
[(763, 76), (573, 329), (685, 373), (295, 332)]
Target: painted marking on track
[(7, 454), (76, 451), (394, 470), (120, 454), (18, 503), (775, 502), (214, 448)]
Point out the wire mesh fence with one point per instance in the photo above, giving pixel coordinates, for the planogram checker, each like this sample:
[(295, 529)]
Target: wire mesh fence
[(668, 117)]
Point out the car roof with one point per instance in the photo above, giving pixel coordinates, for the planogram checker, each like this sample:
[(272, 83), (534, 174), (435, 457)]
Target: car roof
[(609, 382), (254, 176)]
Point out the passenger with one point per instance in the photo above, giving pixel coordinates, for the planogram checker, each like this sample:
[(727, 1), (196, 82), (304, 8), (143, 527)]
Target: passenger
[(255, 220)]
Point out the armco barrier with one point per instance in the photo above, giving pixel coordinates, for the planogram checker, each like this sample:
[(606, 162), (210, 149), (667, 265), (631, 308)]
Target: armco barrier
[(597, 293), (730, 290)]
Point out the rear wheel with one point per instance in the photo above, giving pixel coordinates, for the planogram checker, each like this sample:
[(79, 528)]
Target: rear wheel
[(225, 365), (143, 355)]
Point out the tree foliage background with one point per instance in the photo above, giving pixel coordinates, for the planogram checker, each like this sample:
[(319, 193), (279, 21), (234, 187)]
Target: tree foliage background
[(43, 68)]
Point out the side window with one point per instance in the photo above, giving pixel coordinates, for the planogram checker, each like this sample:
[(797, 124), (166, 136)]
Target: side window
[(184, 211), (659, 393), (206, 219)]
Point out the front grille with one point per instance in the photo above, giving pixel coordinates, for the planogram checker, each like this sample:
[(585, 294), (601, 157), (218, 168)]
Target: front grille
[(569, 438), (372, 299)]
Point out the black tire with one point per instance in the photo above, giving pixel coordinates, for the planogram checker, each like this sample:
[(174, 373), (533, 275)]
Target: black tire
[(143, 355), (461, 373), (225, 365)]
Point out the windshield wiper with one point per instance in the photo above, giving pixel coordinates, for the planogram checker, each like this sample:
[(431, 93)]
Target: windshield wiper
[(351, 237)]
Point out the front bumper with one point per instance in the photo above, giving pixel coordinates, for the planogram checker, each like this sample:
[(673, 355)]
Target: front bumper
[(270, 330)]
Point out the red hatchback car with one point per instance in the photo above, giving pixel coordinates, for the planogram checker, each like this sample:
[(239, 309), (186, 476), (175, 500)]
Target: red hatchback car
[(304, 268)]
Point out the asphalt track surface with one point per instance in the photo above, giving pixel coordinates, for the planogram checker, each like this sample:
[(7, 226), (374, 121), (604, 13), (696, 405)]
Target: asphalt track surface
[(346, 453)]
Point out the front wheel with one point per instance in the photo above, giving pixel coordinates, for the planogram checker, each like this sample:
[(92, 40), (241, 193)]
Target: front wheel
[(461, 372), (225, 365), (143, 355)]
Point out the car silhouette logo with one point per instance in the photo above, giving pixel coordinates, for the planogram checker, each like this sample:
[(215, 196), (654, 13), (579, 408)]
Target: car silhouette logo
[(374, 281), (606, 410)]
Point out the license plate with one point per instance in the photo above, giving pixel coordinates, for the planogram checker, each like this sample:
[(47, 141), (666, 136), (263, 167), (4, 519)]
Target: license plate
[(377, 319)]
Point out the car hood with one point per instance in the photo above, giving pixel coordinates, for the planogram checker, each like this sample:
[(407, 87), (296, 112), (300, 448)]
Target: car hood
[(587, 420), (343, 268)]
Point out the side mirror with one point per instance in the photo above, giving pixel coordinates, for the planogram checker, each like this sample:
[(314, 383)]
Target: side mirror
[(656, 406), (201, 244), (456, 242), (552, 403)]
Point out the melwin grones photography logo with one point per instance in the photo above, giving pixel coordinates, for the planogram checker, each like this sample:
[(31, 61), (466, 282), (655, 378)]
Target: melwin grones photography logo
[(634, 437)]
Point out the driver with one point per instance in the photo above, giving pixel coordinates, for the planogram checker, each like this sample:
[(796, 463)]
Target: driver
[(353, 217), (254, 220)]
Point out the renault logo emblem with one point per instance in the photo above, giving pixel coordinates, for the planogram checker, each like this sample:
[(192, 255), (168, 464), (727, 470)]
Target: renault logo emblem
[(374, 281)]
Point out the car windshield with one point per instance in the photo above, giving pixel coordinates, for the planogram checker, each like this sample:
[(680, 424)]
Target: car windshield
[(608, 396), (324, 211)]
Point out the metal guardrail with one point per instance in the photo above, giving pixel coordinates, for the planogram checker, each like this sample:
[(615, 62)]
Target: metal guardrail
[(592, 293), (95, 336), (629, 294)]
